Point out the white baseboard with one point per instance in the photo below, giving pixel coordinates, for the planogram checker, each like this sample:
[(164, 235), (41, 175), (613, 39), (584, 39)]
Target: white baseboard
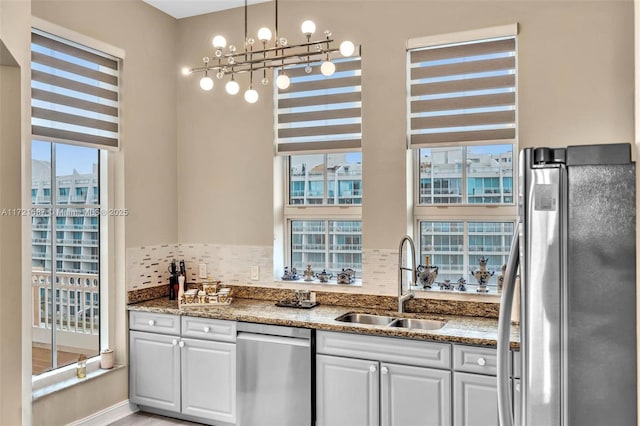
[(108, 415)]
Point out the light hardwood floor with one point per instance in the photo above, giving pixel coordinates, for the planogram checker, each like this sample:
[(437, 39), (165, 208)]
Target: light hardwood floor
[(146, 419)]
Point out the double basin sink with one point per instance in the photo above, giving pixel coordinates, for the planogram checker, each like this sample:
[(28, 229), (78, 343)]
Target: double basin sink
[(388, 321)]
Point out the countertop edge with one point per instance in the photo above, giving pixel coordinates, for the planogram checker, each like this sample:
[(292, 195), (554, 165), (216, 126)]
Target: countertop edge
[(474, 331)]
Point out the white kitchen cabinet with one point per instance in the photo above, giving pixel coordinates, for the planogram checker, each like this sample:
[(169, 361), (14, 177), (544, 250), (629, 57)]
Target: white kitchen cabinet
[(414, 396), (347, 391), (154, 370), (170, 371), (369, 380), (475, 400), (475, 386), (208, 376)]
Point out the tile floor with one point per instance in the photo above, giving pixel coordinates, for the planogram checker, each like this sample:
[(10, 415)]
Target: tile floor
[(147, 419)]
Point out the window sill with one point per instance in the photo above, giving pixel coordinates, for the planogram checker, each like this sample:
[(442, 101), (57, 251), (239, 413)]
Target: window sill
[(357, 283), (65, 377)]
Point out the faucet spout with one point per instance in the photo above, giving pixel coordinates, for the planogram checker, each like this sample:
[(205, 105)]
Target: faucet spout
[(403, 297)]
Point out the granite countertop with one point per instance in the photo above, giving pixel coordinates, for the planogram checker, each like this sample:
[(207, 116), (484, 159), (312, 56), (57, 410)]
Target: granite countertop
[(458, 329)]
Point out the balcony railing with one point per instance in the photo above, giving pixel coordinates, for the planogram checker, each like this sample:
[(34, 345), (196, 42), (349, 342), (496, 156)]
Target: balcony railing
[(76, 305)]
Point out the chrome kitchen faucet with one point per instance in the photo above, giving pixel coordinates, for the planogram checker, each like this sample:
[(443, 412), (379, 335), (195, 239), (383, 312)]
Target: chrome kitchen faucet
[(401, 296)]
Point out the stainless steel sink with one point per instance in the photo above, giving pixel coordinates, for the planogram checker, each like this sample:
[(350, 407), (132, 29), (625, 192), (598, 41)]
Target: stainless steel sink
[(421, 324), (372, 319), (365, 319)]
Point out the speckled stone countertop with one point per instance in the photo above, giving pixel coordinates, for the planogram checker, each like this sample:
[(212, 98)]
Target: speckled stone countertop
[(458, 329)]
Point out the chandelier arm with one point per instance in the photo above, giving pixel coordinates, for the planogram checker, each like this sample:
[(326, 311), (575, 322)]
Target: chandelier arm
[(269, 60), (320, 43)]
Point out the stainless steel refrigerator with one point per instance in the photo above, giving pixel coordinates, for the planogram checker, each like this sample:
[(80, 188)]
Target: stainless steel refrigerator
[(574, 251)]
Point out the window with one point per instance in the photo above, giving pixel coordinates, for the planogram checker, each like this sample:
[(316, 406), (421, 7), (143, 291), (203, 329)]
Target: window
[(325, 181), (462, 129), (319, 132), (75, 120), (59, 336)]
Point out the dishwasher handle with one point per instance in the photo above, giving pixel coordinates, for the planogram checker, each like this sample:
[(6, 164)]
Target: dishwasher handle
[(291, 341)]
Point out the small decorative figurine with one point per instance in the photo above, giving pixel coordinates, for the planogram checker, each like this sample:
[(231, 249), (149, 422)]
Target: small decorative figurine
[(347, 276), (501, 277), (324, 276), (482, 275), (462, 285), (446, 285), (426, 275), (308, 274), (290, 276)]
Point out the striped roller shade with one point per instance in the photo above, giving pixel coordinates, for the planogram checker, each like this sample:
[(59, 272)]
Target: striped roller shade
[(74, 93), (463, 92), (318, 113)]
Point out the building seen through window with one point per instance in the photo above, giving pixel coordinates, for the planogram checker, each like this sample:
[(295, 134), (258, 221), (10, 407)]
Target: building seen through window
[(324, 180)]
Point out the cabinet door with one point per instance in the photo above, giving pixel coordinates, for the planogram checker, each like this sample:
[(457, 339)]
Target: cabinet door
[(209, 379), (415, 396), (347, 391), (154, 370), (475, 400)]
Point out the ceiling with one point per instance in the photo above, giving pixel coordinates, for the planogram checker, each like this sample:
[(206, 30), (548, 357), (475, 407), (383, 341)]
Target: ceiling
[(185, 8)]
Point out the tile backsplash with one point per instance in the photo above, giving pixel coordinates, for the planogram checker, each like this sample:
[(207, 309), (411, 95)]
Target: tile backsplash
[(148, 267)]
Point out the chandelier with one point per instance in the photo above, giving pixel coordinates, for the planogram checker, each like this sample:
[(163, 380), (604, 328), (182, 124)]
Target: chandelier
[(260, 55)]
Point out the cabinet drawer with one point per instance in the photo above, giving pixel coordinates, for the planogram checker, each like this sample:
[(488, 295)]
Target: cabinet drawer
[(389, 349), (209, 329), (475, 360), (154, 322)]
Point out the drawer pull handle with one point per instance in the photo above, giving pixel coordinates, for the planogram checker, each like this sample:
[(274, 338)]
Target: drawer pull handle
[(152, 322), (174, 342), (482, 362), (384, 370), (181, 344), (207, 329), (372, 368)]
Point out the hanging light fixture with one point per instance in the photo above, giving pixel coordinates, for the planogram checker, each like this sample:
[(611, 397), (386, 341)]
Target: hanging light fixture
[(281, 54)]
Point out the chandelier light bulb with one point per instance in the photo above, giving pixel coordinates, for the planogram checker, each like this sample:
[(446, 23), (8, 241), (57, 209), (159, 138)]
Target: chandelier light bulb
[(347, 48), (232, 87), (327, 68), (251, 96), (186, 71), (264, 34), (283, 81), (206, 83), (308, 28), (219, 42)]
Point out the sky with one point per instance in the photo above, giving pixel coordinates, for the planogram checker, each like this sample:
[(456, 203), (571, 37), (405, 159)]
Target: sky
[(68, 157)]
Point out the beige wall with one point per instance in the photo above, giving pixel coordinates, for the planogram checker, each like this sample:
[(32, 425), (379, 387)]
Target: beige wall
[(575, 87), (10, 226), (146, 163), (148, 101), (15, 374)]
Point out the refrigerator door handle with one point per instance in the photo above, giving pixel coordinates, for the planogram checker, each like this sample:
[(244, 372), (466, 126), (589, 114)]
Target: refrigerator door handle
[(504, 333)]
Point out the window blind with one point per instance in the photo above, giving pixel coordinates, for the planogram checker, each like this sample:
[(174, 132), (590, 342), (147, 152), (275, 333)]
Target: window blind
[(74, 93), (463, 92), (318, 113)]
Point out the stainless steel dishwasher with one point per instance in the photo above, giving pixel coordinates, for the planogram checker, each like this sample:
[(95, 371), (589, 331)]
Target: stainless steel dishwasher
[(274, 373)]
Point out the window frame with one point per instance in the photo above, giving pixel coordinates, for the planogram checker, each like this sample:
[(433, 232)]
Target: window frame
[(55, 204), (112, 251), (464, 212), (319, 212)]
